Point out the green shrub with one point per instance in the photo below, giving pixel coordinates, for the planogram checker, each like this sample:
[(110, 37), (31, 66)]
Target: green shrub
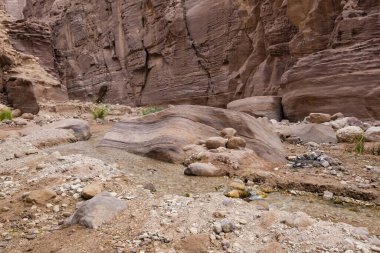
[(150, 110), (100, 112), (5, 114), (359, 144)]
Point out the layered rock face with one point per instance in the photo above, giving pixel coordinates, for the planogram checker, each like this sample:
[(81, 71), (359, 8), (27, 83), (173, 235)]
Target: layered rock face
[(320, 55), (23, 81)]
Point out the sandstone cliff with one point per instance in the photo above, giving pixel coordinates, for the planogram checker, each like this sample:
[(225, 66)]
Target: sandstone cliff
[(320, 55)]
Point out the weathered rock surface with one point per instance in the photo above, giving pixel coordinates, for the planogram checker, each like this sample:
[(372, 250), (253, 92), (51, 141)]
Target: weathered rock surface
[(320, 56), (23, 81), (308, 132), (164, 134), (259, 106), (98, 210), (372, 134), (349, 134)]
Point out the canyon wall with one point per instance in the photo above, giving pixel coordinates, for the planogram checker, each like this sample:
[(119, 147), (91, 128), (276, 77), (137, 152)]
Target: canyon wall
[(320, 55)]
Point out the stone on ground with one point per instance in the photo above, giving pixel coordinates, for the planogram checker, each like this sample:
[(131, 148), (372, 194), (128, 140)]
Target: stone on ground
[(91, 190), (215, 142), (236, 142), (80, 127), (318, 118), (349, 134), (228, 132), (372, 134), (203, 170), (298, 220), (309, 132), (96, 211), (40, 196)]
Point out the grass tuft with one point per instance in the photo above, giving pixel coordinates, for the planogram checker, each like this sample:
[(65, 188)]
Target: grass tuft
[(150, 110), (100, 111), (5, 114)]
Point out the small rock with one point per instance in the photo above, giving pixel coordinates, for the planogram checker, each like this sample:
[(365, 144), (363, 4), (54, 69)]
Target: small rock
[(228, 133), (215, 142), (39, 196), (318, 118), (28, 116), (227, 226), (298, 220), (150, 187), (217, 228), (337, 115), (203, 169), (328, 195), (91, 190), (16, 113), (236, 143), (237, 186)]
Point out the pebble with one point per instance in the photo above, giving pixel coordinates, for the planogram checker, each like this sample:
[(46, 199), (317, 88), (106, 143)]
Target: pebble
[(328, 195), (56, 208), (227, 226), (217, 228)]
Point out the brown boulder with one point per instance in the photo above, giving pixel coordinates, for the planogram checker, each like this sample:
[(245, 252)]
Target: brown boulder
[(91, 190), (260, 106), (318, 118), (164, 134), (236, 142), (40, 196), (215, 142)]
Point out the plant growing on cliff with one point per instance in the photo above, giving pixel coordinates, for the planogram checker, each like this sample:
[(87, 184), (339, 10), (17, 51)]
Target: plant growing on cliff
[(359, 144), (5, 114), (150, 110), (100, 111)]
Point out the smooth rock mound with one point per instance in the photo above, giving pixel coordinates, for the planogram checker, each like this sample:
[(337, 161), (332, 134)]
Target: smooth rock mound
[(260, 106), (163, 135), (96, 211)]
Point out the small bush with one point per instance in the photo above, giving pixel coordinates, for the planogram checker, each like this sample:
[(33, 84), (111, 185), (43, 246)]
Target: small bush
[(100, 112), (150, 110), (5, 114), (359, 144)]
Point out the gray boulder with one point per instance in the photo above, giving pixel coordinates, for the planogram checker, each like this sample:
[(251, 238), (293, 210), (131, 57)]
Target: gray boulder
[(96, 211)]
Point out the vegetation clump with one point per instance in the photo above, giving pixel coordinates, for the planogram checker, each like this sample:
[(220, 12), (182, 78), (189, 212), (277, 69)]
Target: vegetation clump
[(100, 111), (151, 109), (359, 144), (5, 114)]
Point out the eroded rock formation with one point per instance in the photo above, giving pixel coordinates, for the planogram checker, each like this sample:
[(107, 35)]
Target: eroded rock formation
[(320, 55)]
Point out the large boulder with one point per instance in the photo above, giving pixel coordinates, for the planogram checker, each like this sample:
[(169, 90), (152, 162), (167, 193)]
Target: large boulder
[(80, 127), (163, 135), (96, 211), (349, 134), (260, 106), (372, 134), (308, 132)]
